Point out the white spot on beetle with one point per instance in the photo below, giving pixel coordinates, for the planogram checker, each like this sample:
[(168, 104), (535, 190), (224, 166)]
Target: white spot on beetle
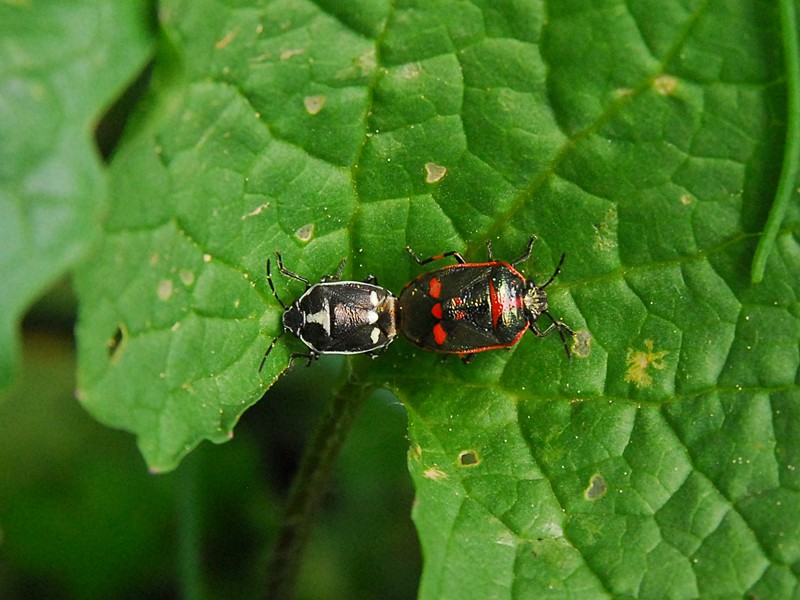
[(376, 334), (372, 317), (373, 298), (321, 317)]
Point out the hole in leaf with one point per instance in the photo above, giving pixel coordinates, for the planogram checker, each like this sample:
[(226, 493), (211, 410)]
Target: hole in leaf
[(116, 342), (468, 458), (597, 488)]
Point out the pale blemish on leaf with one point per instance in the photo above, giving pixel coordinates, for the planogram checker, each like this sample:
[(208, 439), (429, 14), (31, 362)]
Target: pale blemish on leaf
[(287, 54), (507, 539), (665, 85), (468, 458), (367, 62), (606, 230), (597, 487), (623, 92), (165, 287), (553, 530), (305, 233), (229, 37), (434, 173), (314, 104), (256, 211), (410, 71), (416, 452), (686, 199), (640, 363), (186, 276), (582, 343), (434, 474)]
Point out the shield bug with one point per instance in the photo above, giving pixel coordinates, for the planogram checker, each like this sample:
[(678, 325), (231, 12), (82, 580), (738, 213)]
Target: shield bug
[(336, 317), (471, 307)]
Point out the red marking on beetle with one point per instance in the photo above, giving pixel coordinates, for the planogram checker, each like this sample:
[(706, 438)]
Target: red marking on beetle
[(435, 287), (497, 306), (501, 305), (460, 315), (436, 311), (439, 334)]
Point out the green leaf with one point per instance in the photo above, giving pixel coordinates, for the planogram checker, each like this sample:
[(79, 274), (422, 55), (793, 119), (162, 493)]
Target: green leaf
[(61, 64), (640, 138)]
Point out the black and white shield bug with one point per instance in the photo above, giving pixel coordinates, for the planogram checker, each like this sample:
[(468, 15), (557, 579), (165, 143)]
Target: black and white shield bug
[(337, 317), (471, 307)]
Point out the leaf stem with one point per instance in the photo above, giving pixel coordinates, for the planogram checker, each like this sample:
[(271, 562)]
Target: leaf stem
[(191, 581), (791, 161), (309, 487)]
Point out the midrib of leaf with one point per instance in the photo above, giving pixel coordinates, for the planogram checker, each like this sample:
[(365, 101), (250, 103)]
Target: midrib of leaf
[(614, 108)]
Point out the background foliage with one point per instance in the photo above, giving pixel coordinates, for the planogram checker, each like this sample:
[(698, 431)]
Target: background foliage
[(644, 139)]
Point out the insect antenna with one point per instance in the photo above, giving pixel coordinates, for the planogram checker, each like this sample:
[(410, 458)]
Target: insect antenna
[(555, 273), (274, 293)]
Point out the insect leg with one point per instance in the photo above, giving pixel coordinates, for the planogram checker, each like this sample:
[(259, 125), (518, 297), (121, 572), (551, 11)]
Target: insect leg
[(338, 274), (555, 273), (559, 326), (287, 273), (274, 293), (266, 354), (425, 261), (527, 254)]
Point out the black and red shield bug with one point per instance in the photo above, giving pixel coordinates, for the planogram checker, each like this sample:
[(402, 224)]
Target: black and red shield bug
[(337, 317), (471, 307)]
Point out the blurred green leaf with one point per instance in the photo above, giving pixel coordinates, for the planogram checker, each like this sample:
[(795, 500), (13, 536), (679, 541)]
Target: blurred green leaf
[(61, 65), (642, 138)]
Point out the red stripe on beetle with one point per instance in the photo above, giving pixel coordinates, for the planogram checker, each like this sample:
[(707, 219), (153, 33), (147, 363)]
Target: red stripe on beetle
[(501, 304), (435, 287), (439, 334), (497, 306), (436, 311)]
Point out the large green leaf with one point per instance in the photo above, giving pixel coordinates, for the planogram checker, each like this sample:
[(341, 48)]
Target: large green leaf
[(644, 139), (61, 64)]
